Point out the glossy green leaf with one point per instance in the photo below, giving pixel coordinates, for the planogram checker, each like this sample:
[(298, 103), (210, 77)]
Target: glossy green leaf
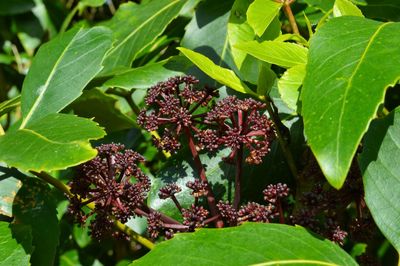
[(346, 8), (382, 9), (9, 187), (15, 6), (60, 71), (9, 105), (11, 253), (135, 27), (35, 208), (103, 109), (274, 52), (70, 258), (54, 142), (381, 174), (289, 85), (261, 13), (180, 171), (324, 5), (345, 83), (222, 75), (90, 3), (149, 75), (248, 244)]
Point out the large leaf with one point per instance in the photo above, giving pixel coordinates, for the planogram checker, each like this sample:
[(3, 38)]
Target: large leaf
[(15, 6), (146, 76), (103, 109), (60, 71), (261, 13), (276, 52), (54, 142), (324, 5), (222, 75), (382, 174), (382, 9), (135, 27), (11, 253), (247, 244), (346, 8), (350, 66), (35, 209)]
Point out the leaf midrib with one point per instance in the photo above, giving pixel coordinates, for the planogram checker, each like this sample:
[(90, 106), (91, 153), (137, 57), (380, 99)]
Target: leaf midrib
[(339, 132), (45, 86)]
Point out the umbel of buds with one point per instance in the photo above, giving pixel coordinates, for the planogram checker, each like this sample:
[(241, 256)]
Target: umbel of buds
[(171, 106), (238, 123), (107, 182)]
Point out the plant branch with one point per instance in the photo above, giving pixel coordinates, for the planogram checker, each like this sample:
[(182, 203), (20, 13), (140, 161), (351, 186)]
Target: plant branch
[(238, 175), (66, 189), (202, 173), (285, 148), (289, 14)]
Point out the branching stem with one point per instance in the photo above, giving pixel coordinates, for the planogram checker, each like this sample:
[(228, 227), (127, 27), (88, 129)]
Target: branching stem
[(289, 14), (238, 175)]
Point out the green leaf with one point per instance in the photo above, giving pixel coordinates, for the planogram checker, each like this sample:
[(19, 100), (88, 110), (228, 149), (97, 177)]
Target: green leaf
[(60, 71), (283, 54), (324, 5), (338, 103), (34, 207), (135, 27), (9, 187), (247, 244), (382, 9), (346, 8), (89, 3), (222, 75), (261, 13), (11, 253), (9, 105), (103, 109), (182, 170), (289, 85), (15, 6), (54, 142), (149, 75), (381, 174), (70, 258)]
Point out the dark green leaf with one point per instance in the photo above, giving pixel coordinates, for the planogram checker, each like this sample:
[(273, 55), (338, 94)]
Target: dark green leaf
[(15, 6), (382, 9), (60, 71), (345, 83), (248, 244), (34, 206), (135, 27), (11, 253), (382, 174), (9, 187), (324, 5), (103, 109), (54, 142)]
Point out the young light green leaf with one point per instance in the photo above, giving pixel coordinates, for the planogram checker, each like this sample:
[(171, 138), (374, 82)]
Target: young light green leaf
[(261, 13), (283, 54), (63, 138), (135, 27), (290, 83), (103, 109), (381, 174), (222, 75), (11, 253), (146, 76), (9, 105), (324, 5), (60, 71), (338, 103), (247, 244), (346, 8)]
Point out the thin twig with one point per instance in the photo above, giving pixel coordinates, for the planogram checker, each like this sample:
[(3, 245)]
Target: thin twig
[(289, 14), (67, 190), (239, 162)]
